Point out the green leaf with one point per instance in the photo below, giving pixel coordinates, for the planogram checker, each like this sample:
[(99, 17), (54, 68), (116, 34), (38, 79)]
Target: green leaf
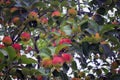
[(74, 65), (50, 21), (35, 71), (73, 3), (39, 4), (107, 28), (41, 43), (84, 24), (11, 52), (26, 60), (115, 41), (13, 71), (43, 55), (32, 71), (2, 66), (52, 49), (46, 51), (67, 29), (55, 3), (99, 19), (42, 71), (26, 71), (107, 50), (85, 48), (55, 33), (105, 70), (93, 25), (1, 55), (90, 31), (70, 21), (63, 3), (101, 11), (60, 47)]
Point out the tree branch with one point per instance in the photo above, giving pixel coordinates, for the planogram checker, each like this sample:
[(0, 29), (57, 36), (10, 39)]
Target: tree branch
[(78, 3)]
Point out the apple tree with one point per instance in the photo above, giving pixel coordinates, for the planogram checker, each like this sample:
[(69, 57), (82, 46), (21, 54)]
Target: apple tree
[(60, 39)]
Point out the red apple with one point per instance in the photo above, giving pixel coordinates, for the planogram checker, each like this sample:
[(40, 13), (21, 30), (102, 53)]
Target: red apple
[(16, 46), (67, 57), (57, 61), (25, 36), (39, 77), (65, 41), (56, 14), (7, 40)]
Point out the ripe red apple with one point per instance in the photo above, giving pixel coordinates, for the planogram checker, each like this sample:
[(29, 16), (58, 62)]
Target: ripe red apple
[(39, 77), (56, 14), (7, 40), (16, 46), (57, 61), (67, 57), (43, 20), (33, 15), (25, 36)]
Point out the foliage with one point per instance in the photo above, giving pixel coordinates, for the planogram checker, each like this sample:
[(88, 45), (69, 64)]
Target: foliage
[(43, 37)]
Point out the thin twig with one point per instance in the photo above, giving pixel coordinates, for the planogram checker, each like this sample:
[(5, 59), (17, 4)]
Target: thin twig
[(79, 13)]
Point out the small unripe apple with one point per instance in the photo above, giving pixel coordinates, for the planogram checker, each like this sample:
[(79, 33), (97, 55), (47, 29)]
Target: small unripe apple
[(16, 20), (87, 78), (72, 12), (82, 74), (1, 74), (13, 9), (8, 2), (115, 22), (33, 15), (114, 65), (43, 20), (1, 1)]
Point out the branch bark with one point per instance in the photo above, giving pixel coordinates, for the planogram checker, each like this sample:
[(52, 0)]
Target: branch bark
[(78, 3)]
